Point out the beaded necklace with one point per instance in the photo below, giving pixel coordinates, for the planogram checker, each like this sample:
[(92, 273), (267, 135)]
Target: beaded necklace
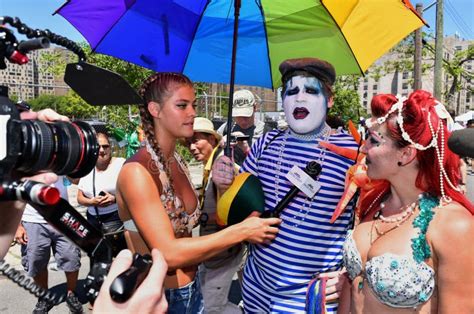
[(304, 210), (398, 219)]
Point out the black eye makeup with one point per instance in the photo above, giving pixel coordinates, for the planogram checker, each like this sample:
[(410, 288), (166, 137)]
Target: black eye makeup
[(313, 90), (374, 137), (292, 91)]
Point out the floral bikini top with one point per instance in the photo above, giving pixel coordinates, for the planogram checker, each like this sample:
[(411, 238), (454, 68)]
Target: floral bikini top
[(182, 222), (398, 281)]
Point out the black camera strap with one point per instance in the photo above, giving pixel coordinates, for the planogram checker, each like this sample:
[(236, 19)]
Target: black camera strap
[(97, 216)]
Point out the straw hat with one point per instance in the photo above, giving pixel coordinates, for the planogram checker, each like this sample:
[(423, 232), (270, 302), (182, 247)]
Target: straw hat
[(205, 126)]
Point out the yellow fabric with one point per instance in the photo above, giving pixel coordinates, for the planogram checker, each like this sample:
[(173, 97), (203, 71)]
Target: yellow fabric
[(372, 27), (340, 9), (225, 201)]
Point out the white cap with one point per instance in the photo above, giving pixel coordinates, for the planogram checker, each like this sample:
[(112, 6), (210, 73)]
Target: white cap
[(244, 102)]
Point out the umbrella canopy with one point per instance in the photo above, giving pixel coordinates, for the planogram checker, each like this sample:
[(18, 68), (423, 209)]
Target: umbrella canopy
[(195, 37)]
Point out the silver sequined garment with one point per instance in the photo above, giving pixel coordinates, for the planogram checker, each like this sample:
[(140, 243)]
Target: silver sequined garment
[(396, 280)]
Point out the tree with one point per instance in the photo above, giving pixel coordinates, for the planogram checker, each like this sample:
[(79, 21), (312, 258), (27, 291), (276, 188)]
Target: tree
[(455, 69), (70, 105), (346, 99)]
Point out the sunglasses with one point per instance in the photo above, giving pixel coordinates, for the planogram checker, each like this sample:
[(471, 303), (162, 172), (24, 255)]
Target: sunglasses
[(106, 146)]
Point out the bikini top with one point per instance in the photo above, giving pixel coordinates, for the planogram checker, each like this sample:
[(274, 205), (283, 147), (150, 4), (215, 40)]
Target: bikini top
[(399, 281), (182, 222)]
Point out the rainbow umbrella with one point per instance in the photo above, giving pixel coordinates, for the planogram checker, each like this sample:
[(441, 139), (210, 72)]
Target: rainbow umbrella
[(241, 42), (195, 37)]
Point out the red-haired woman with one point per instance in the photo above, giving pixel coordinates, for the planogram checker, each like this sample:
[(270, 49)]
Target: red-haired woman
[(413, 247), (157, 201)]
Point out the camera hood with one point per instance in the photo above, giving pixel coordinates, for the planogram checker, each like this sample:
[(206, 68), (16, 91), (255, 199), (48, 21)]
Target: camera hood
[(98, 86)]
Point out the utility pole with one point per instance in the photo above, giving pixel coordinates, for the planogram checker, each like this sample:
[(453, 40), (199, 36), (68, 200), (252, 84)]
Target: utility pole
[(438, 65), (418, 47)]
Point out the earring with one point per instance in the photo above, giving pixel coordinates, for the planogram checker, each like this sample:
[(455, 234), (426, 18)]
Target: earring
[(399, 163)]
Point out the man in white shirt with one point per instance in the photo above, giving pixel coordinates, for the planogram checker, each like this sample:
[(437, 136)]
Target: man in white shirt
[(37, 239)]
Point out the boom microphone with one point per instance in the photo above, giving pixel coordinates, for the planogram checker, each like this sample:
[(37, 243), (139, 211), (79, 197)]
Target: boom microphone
[(461, 142), (313, 169)]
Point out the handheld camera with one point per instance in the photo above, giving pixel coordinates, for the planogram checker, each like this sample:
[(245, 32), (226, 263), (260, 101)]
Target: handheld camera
[(28, 147)]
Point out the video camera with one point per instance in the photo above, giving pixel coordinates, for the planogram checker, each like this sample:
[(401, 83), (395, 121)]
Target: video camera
[(28, 147)]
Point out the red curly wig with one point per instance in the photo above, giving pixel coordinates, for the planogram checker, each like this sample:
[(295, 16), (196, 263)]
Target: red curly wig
[(415, 114)]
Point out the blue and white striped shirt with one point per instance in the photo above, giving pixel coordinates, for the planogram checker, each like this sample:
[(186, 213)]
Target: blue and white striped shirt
[(276, 275)]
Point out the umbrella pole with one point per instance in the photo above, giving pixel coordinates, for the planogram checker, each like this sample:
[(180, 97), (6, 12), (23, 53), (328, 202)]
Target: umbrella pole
[(227, 148)]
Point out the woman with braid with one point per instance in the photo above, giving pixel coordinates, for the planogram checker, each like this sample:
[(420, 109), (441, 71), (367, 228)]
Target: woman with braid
[(157, 200)]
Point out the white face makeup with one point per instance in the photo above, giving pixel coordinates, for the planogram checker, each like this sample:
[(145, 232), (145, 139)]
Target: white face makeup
[(305, 104)]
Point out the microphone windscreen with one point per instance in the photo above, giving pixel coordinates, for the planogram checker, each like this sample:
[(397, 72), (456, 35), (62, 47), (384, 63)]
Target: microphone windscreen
[(461, 142)]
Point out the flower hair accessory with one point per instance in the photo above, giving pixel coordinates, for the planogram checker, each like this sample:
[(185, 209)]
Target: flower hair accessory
[(380, 120)]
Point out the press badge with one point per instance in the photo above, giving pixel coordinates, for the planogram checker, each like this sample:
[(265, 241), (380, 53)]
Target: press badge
[(303, 181)]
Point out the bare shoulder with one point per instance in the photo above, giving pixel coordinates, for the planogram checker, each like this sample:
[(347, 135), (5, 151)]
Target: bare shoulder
[(134, 174), (133, 169), (451, 224)]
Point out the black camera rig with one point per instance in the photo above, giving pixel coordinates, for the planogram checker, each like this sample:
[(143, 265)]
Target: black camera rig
[(28, 147)]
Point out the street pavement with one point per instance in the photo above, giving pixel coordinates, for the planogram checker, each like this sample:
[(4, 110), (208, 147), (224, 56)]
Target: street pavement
[(17, 300)]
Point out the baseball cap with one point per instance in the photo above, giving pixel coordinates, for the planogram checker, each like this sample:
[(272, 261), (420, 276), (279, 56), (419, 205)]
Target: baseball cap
[(244, 101)]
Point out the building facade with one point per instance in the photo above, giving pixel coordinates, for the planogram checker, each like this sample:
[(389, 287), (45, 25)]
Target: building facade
[(377, 81), (31, 80)]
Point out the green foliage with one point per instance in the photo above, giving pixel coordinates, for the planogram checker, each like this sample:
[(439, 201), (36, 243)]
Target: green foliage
[(70, 105), (184, 152), (346, 99), (455, 69), (14, 98), (54, 62)]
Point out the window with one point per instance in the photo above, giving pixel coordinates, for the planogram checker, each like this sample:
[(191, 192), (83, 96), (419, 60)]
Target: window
[(365, 87), (375, 86), (405, 75), (405, 86)]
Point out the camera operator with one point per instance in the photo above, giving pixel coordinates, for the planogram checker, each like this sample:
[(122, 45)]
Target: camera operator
[(149, 297)]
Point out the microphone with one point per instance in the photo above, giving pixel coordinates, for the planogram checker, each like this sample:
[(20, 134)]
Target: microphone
[(313, 169), (461, 142)]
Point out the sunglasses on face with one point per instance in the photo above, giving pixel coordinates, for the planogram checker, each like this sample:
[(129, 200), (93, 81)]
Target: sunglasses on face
[(106, 146)]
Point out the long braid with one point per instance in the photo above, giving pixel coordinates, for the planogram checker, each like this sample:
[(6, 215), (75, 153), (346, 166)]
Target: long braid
[(157, 88)]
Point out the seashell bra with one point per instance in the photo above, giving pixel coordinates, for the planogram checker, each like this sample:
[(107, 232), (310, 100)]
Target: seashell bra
[(398, 281)]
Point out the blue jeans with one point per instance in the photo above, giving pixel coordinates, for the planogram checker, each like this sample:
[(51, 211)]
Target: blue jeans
[(186, 299)]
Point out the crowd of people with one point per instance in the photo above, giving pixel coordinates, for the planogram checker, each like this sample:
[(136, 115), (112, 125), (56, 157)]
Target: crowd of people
[(403, 245)]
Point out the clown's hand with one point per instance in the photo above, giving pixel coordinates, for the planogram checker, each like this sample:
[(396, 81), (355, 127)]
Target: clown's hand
[(223, 173)]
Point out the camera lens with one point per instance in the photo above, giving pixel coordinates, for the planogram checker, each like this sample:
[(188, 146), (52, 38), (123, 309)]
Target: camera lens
[(60, 147)]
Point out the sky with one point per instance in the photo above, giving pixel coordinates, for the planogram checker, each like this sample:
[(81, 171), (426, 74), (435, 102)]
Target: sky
[(458, 16)]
